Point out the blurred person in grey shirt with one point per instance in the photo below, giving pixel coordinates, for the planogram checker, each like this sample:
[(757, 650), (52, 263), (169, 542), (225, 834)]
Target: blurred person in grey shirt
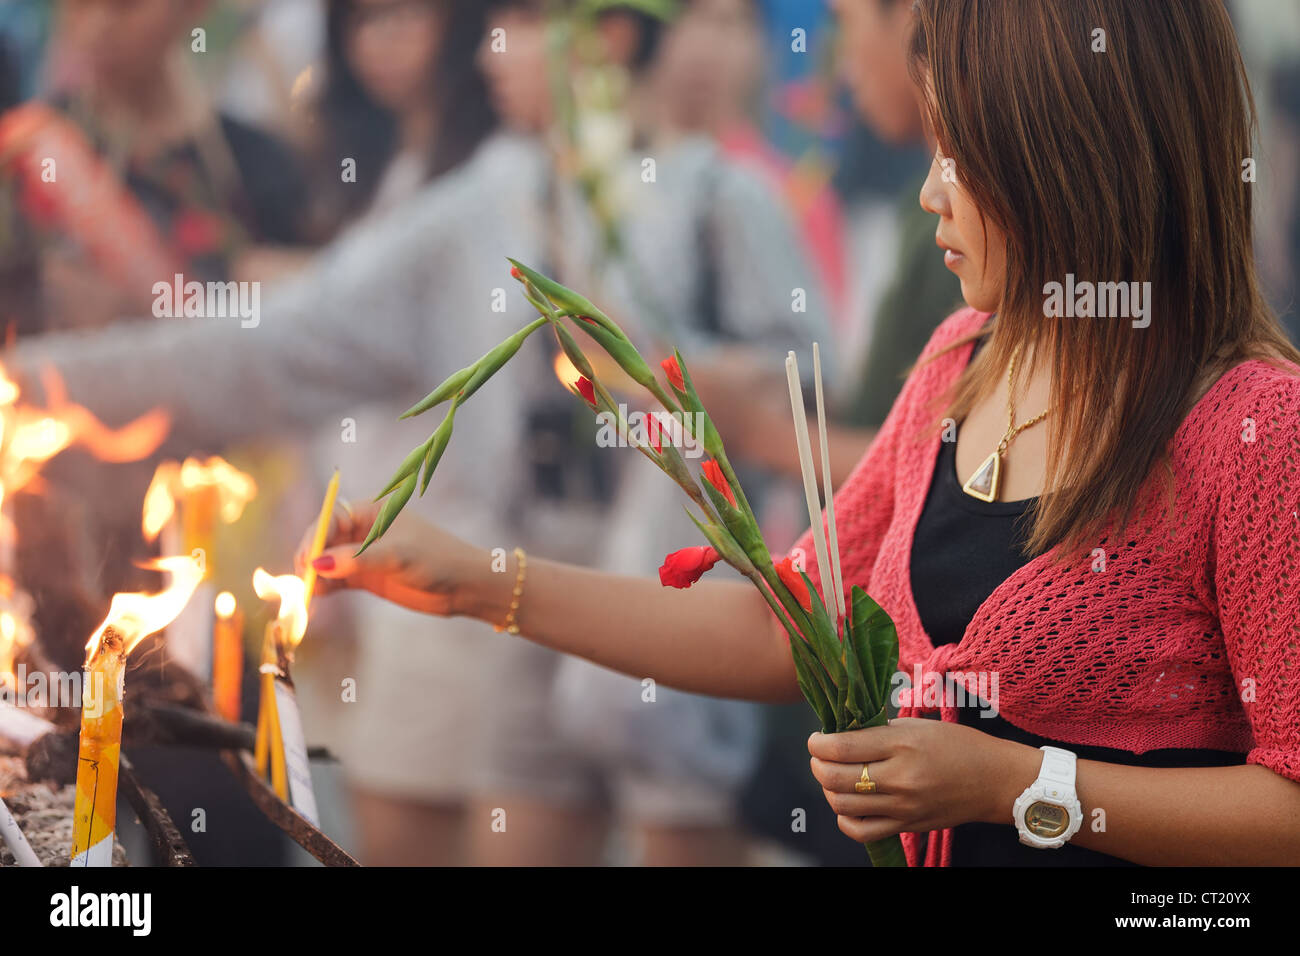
[(388, 311)]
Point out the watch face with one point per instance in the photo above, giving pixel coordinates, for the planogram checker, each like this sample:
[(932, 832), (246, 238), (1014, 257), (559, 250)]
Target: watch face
[(1046, 820)]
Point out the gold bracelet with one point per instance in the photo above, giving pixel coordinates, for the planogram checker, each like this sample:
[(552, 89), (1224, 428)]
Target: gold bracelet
[(510, 626)]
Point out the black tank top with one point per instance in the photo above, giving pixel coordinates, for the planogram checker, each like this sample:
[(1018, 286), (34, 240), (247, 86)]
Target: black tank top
[(962, 550)]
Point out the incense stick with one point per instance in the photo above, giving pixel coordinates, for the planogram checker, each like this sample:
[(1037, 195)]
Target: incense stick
[(827, 484), (809, 474), (13, 838)]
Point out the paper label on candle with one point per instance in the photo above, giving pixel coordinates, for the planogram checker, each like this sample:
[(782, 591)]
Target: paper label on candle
[(301, 794), (101, 854)]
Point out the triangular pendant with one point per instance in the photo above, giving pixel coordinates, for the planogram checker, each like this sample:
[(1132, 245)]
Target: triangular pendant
[(984, 483)]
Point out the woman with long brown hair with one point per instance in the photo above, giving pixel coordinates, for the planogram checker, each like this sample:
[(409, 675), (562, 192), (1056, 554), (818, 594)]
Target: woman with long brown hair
[(1080, 512)]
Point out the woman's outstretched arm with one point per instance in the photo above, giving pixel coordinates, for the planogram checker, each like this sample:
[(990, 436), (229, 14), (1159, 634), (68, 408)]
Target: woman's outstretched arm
[(718, 637)]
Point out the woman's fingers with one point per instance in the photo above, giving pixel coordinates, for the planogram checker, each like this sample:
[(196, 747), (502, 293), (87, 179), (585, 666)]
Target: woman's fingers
[(348, 525), (337, 564), (869, 829), (844, 777), (853, 746), (877, 804)]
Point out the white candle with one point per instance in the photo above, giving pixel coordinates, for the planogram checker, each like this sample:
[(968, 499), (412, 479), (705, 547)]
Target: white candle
[(827, 484), (809, 474)]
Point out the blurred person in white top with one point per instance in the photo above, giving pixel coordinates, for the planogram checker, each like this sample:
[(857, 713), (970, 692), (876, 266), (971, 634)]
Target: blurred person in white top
[(716, 260)]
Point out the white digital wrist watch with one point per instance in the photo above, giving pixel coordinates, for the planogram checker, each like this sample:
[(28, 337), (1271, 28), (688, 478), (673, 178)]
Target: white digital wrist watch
[(1048, 813)]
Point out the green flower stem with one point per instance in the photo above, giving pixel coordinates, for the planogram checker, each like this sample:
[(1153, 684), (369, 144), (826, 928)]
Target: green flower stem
[(551, 315), (888, 852), (625, 432), (797, 613), (667, 401), (757, 580), (727, 470)]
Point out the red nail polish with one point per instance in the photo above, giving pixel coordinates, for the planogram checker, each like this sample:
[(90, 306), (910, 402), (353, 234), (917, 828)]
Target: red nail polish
[(324, 563)]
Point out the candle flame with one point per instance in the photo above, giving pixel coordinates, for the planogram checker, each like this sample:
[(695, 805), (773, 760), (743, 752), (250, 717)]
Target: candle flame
[(291, 619), (134, 616), (15, 635), (31, 436), (174, 481), (566, 371), (224, 605)]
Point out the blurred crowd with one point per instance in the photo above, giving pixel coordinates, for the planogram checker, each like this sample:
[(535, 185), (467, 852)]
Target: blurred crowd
[(735, 178)]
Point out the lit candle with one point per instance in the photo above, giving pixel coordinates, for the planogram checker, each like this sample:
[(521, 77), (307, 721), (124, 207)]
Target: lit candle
[(131, 618), (286, 746), (227, 656), (268, 744), (184, 503)]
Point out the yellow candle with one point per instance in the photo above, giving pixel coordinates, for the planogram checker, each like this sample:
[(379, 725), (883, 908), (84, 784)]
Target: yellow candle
[(322, 530), (131, 618), (95, 813)]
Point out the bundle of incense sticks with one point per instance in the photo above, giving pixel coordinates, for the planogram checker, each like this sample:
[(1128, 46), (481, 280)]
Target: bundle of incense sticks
[(828, 553), (13, 838)]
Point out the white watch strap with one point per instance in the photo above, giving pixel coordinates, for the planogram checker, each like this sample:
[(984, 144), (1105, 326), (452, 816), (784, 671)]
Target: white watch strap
[(1058, 768)]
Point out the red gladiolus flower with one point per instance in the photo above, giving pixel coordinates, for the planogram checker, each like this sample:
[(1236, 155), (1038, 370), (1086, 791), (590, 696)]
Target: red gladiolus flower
[(794, 582), (683, 568), (714, 476), (586, 390), (674, 373), (588, 319), (656, 435), (515, 273)]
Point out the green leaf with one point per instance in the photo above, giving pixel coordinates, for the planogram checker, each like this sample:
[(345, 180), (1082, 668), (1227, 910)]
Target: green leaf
[(888, 852), (408, 467), (450, 386), (724, 544), (711, 440), (741, 527), (493, 361), (621, 351), (566, 299), (814, 688), (858, 697), (389, 512), (437, 445), (876, 642), (569, 345), (823, 639)]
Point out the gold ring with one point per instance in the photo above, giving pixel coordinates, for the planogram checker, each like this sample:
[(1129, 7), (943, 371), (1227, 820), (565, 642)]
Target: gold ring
[(865, 784)]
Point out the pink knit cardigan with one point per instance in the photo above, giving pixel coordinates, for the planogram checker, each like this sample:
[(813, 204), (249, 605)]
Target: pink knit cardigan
[(1178, 635)]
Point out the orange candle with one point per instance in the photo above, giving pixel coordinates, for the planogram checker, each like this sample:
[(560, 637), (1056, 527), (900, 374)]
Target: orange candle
[(227, 657)]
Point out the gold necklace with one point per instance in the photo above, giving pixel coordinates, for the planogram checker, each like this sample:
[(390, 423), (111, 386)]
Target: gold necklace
[(987, 479)]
